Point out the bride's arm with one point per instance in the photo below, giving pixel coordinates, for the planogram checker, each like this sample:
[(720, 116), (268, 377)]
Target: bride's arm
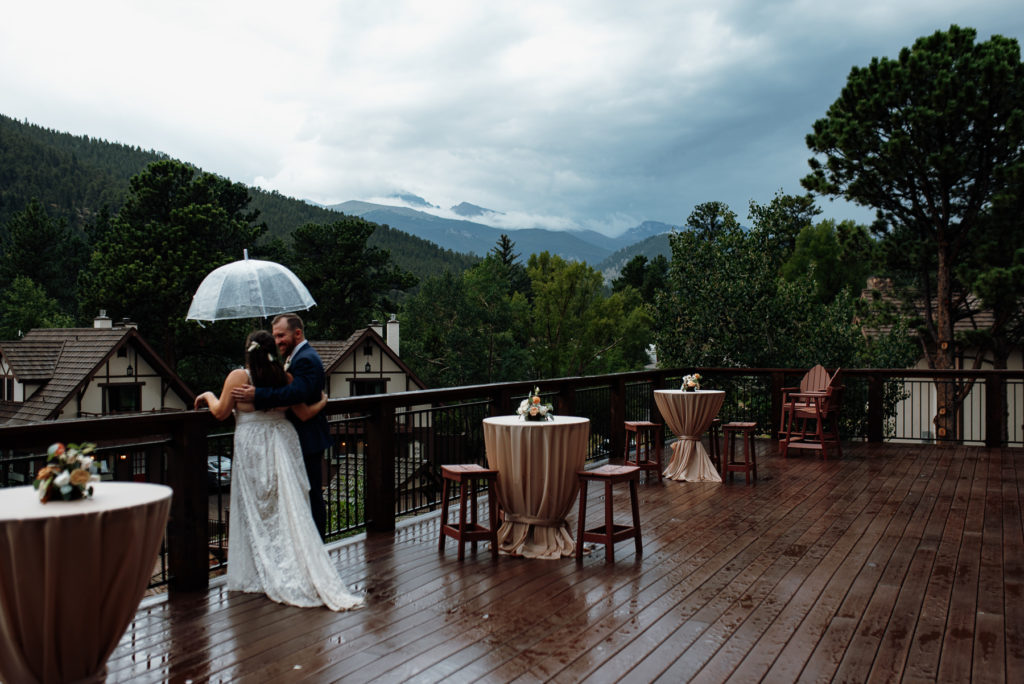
[(306, 411), (221, 406)]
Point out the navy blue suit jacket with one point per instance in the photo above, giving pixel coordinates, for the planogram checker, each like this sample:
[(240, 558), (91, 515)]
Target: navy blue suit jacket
[(307, 382)]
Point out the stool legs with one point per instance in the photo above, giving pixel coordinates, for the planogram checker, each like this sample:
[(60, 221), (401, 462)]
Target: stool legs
[(444, 513), (609, 533), (729, 462), (647, 437), (580, 520), (468, 528)]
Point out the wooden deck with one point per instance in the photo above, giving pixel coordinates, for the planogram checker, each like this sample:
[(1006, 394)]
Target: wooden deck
[(893, 563)]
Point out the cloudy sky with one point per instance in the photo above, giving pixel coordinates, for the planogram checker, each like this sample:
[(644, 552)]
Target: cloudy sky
[(594, 114)]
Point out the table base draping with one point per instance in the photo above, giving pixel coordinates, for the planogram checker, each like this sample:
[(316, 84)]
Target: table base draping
[(72, 574), (691, 462), (689, 414), (537, 484)]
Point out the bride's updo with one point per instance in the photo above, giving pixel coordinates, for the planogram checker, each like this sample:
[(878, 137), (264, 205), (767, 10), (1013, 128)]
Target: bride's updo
[(261, 360)]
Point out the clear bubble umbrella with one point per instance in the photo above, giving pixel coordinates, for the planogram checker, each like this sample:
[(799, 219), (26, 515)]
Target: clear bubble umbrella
[(249, 288)]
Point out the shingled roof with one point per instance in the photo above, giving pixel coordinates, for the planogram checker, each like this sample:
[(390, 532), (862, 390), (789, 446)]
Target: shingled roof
[(64, 360), (881, 289), (332, 352)]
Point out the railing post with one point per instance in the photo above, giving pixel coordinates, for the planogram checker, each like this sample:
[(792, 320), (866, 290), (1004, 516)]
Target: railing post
[(995, 410), (777, 380), (565, 402), (616, 417), (380, 470), (188, 554), (876, 409)]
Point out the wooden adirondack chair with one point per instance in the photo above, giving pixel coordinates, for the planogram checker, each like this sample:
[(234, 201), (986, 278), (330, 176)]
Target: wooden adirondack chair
[(810, 413)]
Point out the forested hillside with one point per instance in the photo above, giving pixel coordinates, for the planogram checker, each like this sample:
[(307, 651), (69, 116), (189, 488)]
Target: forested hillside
[(74, 177)]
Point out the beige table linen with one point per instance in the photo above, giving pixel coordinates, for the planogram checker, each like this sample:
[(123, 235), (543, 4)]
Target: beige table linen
[(688, 415), (537, 484), (72, 574)]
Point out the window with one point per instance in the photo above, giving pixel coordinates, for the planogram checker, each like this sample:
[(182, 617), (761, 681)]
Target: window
[(125, 398), (361, 388)]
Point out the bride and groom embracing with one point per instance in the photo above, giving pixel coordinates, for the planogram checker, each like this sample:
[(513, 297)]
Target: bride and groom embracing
[(276, 482)]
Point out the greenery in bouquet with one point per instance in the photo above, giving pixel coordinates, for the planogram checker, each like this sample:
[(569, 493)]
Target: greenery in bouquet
[(533, 408), (691, 383), (68, 474)]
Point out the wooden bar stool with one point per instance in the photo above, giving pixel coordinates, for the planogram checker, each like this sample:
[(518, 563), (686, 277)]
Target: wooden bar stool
[(609, 533), (729, 463), (469, 530), (648, 439)]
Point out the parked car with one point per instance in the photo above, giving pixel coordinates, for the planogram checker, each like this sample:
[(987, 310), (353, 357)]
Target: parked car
[(218, 472)]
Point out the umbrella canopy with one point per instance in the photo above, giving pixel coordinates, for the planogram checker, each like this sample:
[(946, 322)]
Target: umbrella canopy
[(249, 288)]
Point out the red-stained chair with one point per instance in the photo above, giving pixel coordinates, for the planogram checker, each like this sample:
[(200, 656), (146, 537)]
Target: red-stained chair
[(811, 421)]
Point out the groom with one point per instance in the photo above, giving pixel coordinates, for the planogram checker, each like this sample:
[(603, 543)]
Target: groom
[(307, 370)]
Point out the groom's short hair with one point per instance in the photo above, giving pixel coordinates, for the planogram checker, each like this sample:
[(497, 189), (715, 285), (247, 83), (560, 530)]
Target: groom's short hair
[(293, 321)]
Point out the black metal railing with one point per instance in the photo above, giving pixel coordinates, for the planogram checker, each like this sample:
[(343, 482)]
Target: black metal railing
[(387, 449)]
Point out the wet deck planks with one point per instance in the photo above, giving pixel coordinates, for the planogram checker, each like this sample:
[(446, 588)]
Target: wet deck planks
[(896, 562)]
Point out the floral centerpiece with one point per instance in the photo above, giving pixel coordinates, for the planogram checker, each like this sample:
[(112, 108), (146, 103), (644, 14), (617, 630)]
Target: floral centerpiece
[(533, 408), (68, 473), (691, 383)]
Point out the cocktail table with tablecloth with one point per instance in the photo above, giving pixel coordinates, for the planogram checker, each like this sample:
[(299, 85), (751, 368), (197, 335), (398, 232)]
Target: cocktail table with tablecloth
[(688, 415), (72, 574), (537, 484)]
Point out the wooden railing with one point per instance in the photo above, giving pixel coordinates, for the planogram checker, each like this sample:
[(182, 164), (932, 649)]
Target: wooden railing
[(442, 425)]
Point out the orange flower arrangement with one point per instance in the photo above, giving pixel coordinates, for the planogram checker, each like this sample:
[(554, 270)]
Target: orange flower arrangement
[(68, 473), (532, 407)]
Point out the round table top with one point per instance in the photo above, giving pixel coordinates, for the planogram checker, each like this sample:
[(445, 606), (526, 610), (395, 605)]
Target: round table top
[(512, 421), (677, 391), (22, 503)]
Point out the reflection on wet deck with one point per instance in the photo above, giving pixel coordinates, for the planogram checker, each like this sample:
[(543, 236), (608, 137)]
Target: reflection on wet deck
[(893, 562)]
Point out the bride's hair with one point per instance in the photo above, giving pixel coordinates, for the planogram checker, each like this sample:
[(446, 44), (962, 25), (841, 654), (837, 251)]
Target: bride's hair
[(261, 360)]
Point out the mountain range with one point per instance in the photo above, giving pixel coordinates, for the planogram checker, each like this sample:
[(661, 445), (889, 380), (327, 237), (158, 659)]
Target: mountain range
[(471, 237), (77, 177)]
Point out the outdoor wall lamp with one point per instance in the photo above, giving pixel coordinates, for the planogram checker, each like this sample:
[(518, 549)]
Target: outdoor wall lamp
[(128, 371), (367, 368)]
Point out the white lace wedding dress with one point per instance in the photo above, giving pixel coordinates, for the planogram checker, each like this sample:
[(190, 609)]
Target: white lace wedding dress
[(274, 546)]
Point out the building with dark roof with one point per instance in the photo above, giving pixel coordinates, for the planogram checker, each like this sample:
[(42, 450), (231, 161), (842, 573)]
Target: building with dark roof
[(62, 373)]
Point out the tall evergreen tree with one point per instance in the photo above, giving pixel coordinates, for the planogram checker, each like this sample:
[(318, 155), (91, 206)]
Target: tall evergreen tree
[(34, 244), (929, 140), (175, 227)]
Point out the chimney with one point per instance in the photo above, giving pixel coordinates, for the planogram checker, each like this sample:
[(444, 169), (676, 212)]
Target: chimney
[(376, 326), (102, 321), (392, 338), (127, 322)]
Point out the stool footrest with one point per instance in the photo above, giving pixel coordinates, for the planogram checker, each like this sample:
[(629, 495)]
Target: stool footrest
[(600, 534)]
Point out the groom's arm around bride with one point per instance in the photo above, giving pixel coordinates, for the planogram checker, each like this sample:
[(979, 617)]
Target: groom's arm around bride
[(307, 372)]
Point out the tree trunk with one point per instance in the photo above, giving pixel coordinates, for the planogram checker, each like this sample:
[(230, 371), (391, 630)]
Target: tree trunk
[(942, 355)]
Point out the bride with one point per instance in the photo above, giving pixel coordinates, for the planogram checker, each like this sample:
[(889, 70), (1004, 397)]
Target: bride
[(274, 545)]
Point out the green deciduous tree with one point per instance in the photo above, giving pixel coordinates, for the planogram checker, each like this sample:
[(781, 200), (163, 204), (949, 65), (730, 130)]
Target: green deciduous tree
[(836, 256), (576, 330), (929, 140), (24, 304)]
